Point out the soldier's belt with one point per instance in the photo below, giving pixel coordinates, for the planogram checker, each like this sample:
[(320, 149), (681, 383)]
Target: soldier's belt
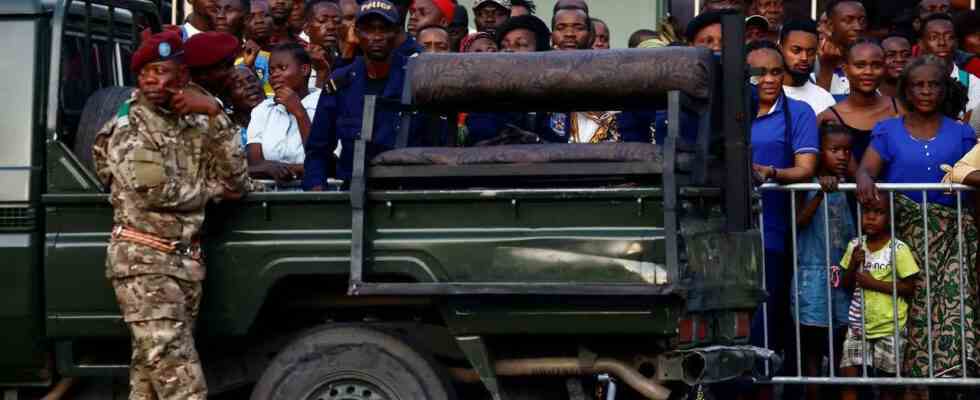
[(192, 250)]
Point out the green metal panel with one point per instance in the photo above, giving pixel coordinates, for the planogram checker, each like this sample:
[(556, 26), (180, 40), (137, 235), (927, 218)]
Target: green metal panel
[(23, 357), (79, 300), (563, 315), (574, 235)]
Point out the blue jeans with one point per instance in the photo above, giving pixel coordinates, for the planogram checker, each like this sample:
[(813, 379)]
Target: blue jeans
[(812, 280)]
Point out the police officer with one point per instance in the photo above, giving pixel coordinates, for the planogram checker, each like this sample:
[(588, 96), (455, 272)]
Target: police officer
[(168, 152), (381, 72)]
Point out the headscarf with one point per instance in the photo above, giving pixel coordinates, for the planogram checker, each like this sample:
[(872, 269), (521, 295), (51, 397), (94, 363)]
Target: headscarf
[(654, 43), (468, 41)]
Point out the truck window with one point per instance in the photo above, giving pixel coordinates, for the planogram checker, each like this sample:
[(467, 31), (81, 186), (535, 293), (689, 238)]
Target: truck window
[(17, 44), (94, 55)]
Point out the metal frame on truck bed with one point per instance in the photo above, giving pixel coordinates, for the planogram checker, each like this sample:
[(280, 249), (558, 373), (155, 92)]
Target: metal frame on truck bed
[(695, 164)]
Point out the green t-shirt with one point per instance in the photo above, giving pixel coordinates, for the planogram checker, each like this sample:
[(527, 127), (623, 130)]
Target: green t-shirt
[(879, 308)]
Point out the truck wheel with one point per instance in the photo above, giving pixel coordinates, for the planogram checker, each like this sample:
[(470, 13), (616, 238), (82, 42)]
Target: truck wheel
[(352, 363), (100, 107)]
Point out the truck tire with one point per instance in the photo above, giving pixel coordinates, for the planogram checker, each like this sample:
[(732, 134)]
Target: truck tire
[(100, 107), (352, 363)]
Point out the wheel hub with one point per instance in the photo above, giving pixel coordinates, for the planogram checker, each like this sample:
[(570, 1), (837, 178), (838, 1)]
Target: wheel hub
[(349, 389)]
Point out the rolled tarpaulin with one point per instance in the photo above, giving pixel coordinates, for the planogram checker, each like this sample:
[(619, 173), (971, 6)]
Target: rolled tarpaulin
[(585, 80)]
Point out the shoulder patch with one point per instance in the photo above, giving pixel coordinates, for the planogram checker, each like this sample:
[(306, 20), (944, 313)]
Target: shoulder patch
[(122, 116)]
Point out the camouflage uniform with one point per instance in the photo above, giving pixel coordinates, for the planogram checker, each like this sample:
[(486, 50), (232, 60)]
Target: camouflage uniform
[(163, 170)]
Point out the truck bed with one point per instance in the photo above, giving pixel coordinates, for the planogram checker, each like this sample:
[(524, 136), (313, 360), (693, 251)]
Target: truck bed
[(543, 236)]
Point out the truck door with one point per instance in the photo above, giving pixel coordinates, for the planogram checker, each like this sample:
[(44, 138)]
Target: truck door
[(21, 27)]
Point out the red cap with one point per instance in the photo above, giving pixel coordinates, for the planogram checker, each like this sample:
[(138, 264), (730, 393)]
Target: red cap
[(209, 48), (446, 7), (155, 47)]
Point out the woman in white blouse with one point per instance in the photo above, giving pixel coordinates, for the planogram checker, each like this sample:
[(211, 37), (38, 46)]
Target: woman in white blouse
[(281, 125)]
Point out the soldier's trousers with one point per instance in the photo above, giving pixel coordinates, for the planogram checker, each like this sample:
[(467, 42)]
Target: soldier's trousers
[(160, 311)]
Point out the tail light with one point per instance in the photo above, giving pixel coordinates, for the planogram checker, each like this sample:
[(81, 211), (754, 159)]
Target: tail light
[(743, 324), (692, 328)]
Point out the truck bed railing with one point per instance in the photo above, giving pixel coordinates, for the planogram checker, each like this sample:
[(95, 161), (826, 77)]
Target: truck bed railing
[(435, 95)]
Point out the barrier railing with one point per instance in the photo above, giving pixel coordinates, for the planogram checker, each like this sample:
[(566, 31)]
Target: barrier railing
[(960, 376)]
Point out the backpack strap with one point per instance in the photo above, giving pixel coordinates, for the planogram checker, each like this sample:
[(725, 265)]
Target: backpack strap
[(964, 78)]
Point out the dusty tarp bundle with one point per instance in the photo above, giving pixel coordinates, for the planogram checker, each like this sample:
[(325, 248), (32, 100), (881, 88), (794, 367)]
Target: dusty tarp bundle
[(520, 154), (559, 80)]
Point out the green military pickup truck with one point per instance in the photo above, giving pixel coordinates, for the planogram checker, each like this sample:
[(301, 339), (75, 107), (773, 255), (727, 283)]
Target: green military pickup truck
[(442, 273)]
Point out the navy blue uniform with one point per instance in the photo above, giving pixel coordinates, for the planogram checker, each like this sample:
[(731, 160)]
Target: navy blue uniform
[(636, 126), (339, 116), (482, 126)]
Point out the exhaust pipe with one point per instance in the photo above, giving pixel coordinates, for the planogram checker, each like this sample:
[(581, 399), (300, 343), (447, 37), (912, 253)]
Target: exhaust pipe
[(716, 364), (567, 366)]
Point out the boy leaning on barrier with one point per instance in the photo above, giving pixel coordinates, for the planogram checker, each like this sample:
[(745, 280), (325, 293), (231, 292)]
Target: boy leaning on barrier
[(870, 267)]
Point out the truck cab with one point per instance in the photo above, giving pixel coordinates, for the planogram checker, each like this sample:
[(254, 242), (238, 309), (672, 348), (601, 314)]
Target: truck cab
[(480, 277)]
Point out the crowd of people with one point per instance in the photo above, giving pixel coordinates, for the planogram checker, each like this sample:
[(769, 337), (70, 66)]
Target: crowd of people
[(833, 102)]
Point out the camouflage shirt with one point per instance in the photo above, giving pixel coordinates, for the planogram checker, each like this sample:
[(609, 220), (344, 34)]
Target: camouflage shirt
[(162, 169)]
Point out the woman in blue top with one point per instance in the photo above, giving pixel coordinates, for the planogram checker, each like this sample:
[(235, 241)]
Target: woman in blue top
[(784, 150), (911, 149)]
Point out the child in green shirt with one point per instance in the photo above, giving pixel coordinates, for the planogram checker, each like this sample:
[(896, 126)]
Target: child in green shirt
[(868, 262)]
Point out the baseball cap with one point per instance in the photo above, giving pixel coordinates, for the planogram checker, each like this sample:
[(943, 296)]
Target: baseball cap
[(481, 3), (757, 20), (383, 8)]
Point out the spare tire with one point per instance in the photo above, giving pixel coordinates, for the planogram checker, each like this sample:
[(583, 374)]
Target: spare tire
[(100, 107)]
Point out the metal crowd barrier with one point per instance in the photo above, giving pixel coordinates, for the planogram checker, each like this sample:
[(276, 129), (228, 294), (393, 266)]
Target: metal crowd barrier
[(963, 379)]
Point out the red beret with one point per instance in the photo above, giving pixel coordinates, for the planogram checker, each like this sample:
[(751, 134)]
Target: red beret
[(155, 47), (209, 48)]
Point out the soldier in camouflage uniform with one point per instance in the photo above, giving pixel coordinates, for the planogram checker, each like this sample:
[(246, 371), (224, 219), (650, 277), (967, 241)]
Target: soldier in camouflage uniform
[(168, 152)]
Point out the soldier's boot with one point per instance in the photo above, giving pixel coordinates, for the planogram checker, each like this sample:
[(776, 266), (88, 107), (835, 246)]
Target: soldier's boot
[(171, 359)]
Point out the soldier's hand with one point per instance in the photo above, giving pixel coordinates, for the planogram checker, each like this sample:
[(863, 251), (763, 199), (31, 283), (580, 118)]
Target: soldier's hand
[(186, 102), (251, 52), (288, 98)]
